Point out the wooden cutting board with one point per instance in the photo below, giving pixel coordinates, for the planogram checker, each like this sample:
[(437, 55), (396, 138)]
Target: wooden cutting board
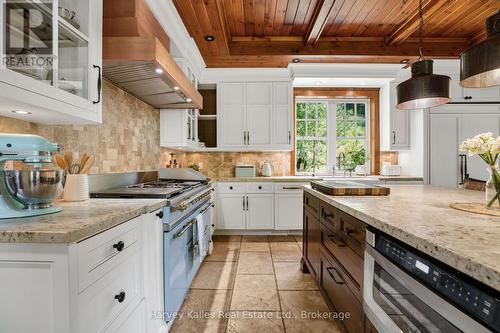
[(340, 187)]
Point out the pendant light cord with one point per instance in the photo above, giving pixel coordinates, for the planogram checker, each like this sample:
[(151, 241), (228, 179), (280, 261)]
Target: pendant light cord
[(421, 31)]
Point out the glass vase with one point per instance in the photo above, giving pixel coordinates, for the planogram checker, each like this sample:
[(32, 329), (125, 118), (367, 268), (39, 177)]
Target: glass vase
[(493, 188)]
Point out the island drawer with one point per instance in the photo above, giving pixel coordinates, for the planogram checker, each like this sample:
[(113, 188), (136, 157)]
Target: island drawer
[(338, 287), (311, 203), (334, 244), (353, 232), (104, 301), (329, 215), (102, 253)]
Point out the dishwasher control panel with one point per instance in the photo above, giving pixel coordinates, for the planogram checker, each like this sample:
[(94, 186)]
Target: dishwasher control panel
[(471, 296)]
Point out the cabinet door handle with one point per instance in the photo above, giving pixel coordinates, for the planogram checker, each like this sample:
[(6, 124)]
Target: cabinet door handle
[(463, 169), (99, 84), (247, 203), (243, 203), (393, 137), (341, 280), (289, 137), (244, 137), (348, 232), (160, 214), (119, 246), (248, 138), (120, 297)]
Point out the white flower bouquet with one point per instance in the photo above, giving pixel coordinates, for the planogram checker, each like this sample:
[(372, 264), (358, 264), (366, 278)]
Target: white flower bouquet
[(488, 148)]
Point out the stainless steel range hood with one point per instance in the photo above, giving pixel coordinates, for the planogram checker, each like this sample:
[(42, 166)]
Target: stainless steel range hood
[(136, 58)]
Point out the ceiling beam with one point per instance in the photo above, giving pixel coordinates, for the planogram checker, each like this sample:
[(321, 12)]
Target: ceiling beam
[(350, 47), (411, 24), (322, 12)]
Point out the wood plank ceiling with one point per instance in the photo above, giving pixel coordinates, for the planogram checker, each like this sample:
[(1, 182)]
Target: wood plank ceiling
[(270, 33)]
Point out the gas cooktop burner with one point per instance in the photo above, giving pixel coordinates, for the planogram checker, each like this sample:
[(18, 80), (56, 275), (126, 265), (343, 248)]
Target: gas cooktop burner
[(167, 184)]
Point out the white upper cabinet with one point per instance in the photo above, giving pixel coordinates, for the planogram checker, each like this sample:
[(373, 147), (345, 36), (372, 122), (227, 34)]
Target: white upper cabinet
[(52, 62), (232, 125), (255, 116), (399, 123), (283, 117), (473, 95), (179, 129)]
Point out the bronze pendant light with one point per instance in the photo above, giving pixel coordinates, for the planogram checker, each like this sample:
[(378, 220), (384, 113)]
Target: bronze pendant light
[(424, 89), (480, 64)]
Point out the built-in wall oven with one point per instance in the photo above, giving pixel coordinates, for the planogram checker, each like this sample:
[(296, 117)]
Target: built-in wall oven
[(407, 291)]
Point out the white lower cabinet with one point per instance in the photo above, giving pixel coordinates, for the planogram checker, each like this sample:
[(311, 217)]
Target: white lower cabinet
[(260, 211), (108, 283), (231, 211), (260, 206)]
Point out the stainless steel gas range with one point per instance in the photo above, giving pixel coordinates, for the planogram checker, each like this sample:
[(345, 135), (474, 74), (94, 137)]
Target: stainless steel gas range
[(187, 225)]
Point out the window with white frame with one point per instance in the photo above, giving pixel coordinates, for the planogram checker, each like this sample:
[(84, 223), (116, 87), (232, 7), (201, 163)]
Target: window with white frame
[(327, 129)]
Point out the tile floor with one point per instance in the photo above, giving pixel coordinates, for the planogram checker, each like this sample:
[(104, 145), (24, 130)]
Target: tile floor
[(253, 284)]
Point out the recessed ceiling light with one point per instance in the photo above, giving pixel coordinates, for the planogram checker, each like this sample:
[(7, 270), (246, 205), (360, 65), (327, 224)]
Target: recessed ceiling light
[(209, 38), (176, 88), (317, 83), (159, 71), (295, 60), (189, 100), (20, 112), (404, 61), (363, 83)]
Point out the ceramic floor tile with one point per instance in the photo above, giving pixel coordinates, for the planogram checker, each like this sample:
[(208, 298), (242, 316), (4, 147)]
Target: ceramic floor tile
[(251, 322), (285, 251), (224, 251), (297, 301), (311, 326), (255, 293), (255, 263), (254, 246), (192, 325), (258, 239), (227, 238), (215, 275), (289, 276), (282, 238)]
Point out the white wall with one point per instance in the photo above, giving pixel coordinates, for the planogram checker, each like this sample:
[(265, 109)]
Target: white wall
[(412, 161)]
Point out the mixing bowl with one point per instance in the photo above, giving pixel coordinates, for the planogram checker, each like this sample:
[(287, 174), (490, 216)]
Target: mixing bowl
[(34, 188)]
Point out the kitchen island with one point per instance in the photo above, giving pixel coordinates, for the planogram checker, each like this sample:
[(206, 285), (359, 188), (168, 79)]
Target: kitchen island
[(337, 229)]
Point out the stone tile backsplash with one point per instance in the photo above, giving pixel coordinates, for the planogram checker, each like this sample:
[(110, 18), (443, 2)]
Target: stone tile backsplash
[(129, 140)]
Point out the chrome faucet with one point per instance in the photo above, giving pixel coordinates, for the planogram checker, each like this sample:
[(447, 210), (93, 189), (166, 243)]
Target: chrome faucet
[(341, 162)]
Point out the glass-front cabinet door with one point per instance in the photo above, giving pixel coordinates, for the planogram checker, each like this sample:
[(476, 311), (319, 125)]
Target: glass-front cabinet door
[(56, 43)]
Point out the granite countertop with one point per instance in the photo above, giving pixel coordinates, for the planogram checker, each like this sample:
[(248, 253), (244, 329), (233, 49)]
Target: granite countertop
[(77, 221), (275, 179), (420, 216)]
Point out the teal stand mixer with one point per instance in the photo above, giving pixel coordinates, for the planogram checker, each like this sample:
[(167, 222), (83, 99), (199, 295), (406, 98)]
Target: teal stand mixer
[(30, 187)]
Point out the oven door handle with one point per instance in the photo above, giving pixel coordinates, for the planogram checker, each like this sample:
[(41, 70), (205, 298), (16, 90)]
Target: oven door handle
[(185, 228), (210, 205), (426, 295), (184, 205)]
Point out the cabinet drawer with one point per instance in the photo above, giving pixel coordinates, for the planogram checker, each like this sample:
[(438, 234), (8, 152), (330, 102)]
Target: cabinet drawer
[(329, 215), (288, 187), (99, 254), (260, 188), (311, 203), (333, 243), (337, 286), (353, 232), (102, 303), (231, 187)]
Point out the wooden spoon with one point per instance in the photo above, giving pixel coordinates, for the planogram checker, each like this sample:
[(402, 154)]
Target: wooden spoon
[(88, 164), (68, 158), (83, 160), (60, 161)]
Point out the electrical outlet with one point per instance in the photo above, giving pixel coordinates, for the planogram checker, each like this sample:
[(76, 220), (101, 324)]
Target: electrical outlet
[(200, 164)]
